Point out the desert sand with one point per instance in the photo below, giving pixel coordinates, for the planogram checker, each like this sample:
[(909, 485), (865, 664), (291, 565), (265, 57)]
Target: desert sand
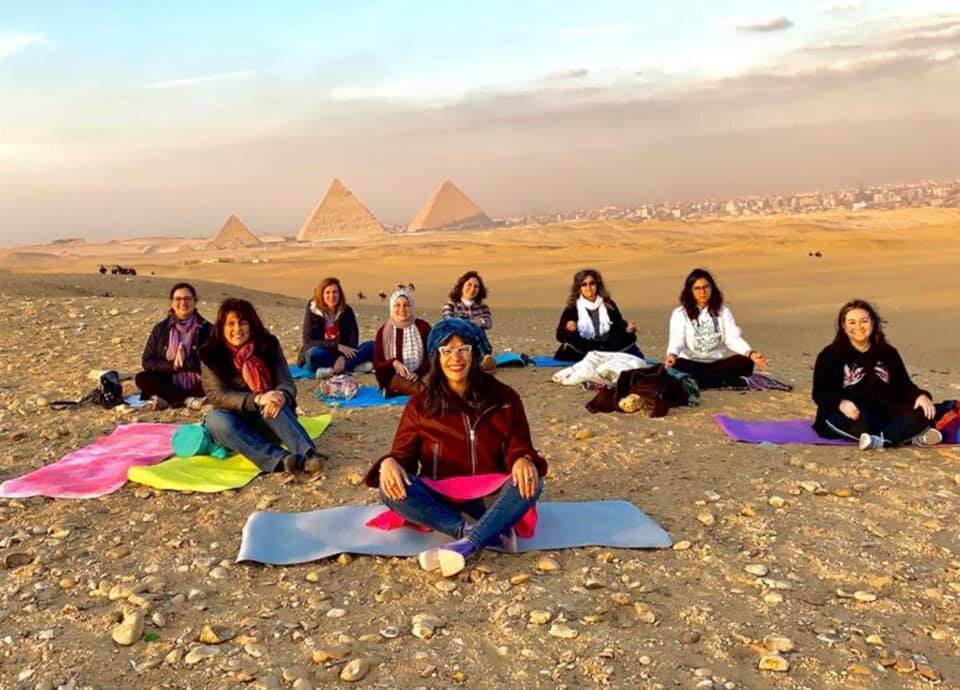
[(879, 523)]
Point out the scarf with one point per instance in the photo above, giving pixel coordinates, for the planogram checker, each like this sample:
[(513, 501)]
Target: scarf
[(254, 372), (181, 336), (466, 302), (331, 325), (585, 323)]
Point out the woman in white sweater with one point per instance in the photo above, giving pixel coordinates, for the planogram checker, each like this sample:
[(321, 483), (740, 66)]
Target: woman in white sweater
[(703, 334)]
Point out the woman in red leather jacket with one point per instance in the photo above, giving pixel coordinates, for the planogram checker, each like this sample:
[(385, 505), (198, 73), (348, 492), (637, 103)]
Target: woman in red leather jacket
[(464, 423)]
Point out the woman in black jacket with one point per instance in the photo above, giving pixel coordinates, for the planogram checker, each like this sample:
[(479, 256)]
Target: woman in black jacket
[(171, 368), (331, 337), (592, 321), (247, 380), (862, 388)]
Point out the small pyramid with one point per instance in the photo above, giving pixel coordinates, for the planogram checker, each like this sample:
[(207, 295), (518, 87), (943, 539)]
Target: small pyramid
[(339, 214), (233, 235), (449, 208)]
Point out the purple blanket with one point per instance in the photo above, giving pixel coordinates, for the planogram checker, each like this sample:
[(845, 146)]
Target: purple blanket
[(779, 431), (99, 468)]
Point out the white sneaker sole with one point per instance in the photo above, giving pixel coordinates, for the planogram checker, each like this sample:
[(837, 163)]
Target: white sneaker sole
[(865, 441), (429, 560), (928, 437), (451, 562)]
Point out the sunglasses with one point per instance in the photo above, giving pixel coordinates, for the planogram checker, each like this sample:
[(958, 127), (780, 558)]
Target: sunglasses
[(446, 351), (587, 283)]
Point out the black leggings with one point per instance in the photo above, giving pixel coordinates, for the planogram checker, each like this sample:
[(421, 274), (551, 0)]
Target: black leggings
[(899, 425), (723, 373), (157, 383)]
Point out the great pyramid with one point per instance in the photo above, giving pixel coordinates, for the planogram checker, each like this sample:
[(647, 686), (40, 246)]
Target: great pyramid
[(339, 214), (448, 208), (233, 235)]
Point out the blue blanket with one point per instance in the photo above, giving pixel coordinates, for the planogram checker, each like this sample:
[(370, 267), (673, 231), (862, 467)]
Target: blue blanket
[(367, 396), (545, 361)]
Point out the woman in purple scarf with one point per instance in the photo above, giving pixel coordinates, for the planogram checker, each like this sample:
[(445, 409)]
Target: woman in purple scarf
[(171, 368)]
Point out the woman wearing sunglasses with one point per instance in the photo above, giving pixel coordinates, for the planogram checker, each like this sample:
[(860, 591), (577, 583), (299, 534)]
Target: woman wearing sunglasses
[(467, 426), (592, 321)]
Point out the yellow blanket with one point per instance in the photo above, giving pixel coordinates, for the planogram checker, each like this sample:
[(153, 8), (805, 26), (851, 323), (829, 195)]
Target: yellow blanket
[(206, 474)]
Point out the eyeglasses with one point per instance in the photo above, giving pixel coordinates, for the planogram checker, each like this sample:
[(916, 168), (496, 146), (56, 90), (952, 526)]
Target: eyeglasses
[(587, 283), (183, 299), (463, 350)]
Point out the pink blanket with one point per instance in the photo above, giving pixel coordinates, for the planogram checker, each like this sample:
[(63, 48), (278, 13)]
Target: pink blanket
[(99, 468), (460, 489)]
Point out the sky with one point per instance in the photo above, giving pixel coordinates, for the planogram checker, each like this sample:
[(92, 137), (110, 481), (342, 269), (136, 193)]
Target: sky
[(122, 119)]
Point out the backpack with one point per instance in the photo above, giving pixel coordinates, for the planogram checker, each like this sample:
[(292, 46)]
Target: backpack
[(948, 420), (650, 390), (108, 394)]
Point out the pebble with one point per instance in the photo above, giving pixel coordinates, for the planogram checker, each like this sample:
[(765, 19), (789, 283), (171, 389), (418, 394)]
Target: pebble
[(219, 573), (645, 660), (905, 663), (334, 653), (583, 435), (424, 625), (336, 613), (773, 662), (690, 637), (520, 578), (173, 657), (861, 595), (216, 634), (255, 650), (389, 632), (843, 492), (313, 576), (778, 643), (158, 619), (925, 670), (810, 486), (355, 670), (130, 629), (17, 559), (682, 546), (776, 502), (874, 640), (563, 631), (302, 684), (644, 613), (773, 598), (707, 519), (548, 564), (540, 617), (199, 653), (758, 569)]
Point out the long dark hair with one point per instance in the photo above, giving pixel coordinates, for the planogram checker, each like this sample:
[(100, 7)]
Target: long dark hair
[(245, 312), (440, 399), (579, 277), (318, 295), (841, 341), (457, 292), (687, 300)]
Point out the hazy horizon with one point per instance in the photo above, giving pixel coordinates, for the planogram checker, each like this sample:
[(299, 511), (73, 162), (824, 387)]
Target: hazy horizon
[(131, 121)]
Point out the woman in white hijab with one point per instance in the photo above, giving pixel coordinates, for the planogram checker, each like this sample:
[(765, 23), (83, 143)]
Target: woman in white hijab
[(592, 321), (399, 359)]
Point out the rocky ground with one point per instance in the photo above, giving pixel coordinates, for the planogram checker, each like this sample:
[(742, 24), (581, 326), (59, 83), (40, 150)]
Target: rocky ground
[(793, 567)]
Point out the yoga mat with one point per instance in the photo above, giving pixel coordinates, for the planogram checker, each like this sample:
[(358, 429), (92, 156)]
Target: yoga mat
[(367, 396), (777, 431), (511, 359), (544, 361), (207, 474), (99, 468), (286, 538)]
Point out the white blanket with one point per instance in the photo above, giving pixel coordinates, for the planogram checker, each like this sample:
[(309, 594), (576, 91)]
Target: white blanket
[(598, 367)]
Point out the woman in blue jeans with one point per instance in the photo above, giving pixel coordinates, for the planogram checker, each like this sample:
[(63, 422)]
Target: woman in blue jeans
[(247, 380), (463, 424), (331, 337)]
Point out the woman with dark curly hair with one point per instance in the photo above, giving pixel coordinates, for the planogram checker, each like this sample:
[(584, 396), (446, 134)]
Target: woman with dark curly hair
[(703, 333), (467, 301), (862, 389), (465, 424), (247, 380), (592, 321)]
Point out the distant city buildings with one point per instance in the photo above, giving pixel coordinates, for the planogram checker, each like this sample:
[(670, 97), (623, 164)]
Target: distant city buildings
[(916, 195)]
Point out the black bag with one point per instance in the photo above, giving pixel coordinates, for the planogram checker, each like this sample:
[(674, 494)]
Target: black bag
[(656, 390), (108, 394)]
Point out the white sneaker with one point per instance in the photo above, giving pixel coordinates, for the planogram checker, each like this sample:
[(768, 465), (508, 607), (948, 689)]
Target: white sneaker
[(324, 373), (870, 442), (363, 368), (928, 437)]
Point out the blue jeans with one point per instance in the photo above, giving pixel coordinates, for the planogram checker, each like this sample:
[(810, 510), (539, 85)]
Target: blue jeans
[(322, 358), (259, 438), (425, 507)]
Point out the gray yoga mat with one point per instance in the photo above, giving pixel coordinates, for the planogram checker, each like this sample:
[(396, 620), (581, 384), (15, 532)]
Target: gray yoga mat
[(288, 538)]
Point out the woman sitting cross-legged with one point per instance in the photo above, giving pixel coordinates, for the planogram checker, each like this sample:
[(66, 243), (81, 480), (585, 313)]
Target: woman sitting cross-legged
[(463, 424), (862, 388), (467, 301), (592, 321), (703, 333), (331, 337), (247, 380), (171, 368), (399, 355)]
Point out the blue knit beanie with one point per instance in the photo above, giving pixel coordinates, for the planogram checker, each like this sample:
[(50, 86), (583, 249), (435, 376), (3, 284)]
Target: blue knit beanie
[(469, 332)]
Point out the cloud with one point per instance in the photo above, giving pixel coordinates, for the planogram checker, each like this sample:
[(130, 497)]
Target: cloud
[(190, 81), (565, 74), (10, 45), (766, 25), (591, 31), (833, 7)]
